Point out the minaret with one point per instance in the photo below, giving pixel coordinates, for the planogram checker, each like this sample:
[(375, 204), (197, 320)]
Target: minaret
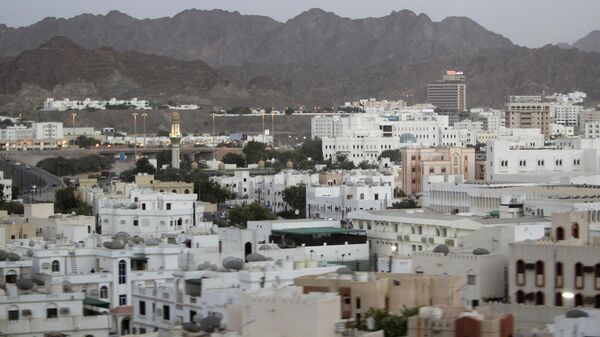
[(175, 139)]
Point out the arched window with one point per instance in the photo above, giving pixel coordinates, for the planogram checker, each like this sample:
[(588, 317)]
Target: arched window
[(578, 300), (13, 313), (520, 296), (104, 292), (179, 222), (559, 275), (539, 273), (10, 276), (362, 196), (122, 272), (186, 191), (579, 281), (174, 191), (560, 234), (597, 276), (539, 298), (558, 300), (520, 272), (55, 266), (575, 231)]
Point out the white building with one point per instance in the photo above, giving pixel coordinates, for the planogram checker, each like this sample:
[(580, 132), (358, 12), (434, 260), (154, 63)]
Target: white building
[(591, 130), (576, 322), (6, 187), (406, 231), (31, 310), (358, 190), (67, 104), (149, 213), (571, 157)]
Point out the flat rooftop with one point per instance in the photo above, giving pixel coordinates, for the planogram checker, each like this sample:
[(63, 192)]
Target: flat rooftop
[(319, 230)]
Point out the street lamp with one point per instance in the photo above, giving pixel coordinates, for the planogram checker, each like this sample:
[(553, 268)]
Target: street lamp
[(568, 295), (144, 115), (73, 115)]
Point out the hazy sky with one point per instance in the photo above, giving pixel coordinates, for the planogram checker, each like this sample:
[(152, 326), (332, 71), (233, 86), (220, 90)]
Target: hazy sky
[(526, 22)]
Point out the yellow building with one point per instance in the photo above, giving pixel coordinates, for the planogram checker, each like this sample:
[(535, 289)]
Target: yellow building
[(364, 290)]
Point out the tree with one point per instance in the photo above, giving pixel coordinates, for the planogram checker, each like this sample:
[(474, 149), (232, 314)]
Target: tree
[(65, 202), (240, 215), (289, 111), (255, 151), (234, 158), (392, 325), (295, 197), (61, 166), (404, 204), (394, 155), (163, 158), (142, 165), (365, 165), (84, 141), (313, 149), (162, 133), (210, 191)]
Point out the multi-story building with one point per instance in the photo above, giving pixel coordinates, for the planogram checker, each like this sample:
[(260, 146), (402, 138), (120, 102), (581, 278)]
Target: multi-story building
[(418, 163), (403, 232), (6, 185), (363, 137), (148, 213), (589, 115), (450, 94), (358, 190), (29, 309), (591, 129), (528, 112), (565, 114), (362, 291), (570, 157), (560, 270)]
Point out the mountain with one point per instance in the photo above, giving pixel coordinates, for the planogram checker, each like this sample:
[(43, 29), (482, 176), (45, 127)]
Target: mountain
[(223, 38), (590, 42), (62, 68)]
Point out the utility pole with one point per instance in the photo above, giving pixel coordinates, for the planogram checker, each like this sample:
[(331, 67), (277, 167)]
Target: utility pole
[(144, 115), (213, 137)]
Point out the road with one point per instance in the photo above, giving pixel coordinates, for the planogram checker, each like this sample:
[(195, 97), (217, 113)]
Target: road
[(34, 183)]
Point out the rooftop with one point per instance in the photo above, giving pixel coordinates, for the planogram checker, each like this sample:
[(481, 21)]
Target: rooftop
[(319, 230)]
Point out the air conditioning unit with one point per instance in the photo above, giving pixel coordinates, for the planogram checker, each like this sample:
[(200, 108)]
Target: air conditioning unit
[(26, 313), (400, 238), (65, 311), (406, 238), (94, 292), (45, 265), (158, 312)]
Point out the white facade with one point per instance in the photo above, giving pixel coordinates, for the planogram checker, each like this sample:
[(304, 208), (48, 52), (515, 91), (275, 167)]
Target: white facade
[(46, 311), (507, 161), (67, 104), (591, 130), (6, 187), (149, 213), (565, 114), (361, 190)]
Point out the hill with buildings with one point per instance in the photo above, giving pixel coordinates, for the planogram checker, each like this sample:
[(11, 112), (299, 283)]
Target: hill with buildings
[(315, 59)]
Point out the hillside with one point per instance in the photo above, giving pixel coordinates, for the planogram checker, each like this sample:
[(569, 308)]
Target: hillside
[(223, 38)]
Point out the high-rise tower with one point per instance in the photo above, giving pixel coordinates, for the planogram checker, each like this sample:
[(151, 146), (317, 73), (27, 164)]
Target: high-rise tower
[(175, 139)]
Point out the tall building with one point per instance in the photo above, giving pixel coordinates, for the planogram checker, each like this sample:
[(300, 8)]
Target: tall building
[(528, 112), (449, 95), (175, 139)]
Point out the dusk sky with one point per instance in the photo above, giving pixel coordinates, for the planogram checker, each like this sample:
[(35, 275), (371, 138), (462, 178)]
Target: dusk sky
[(532, 23)]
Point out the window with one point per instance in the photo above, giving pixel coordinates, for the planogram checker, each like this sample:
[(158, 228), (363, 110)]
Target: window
[(143, 206), (55, 266), (168, 206), (52, 312), (135, 223), (142, 307), (559, 275), (520, 296), (104, 292), (471, 280), (560, 234), (558, 300), (122, 272), (358, 303), (166, 312), (443, 170), (13, 314), (579, 280), (122, 299), (192, 315), (575, 231), (539, 273), (520, 273)]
